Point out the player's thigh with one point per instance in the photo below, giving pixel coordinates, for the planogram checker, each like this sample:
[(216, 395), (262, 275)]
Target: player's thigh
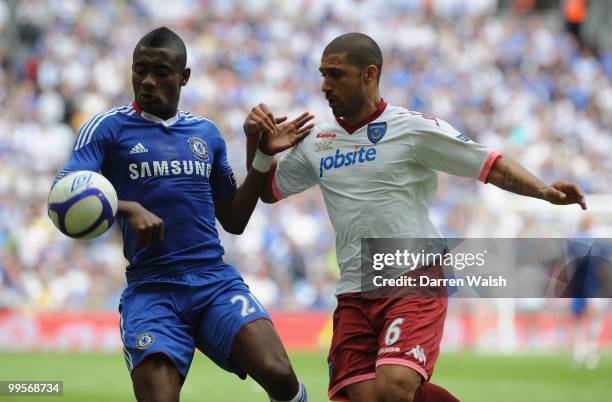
[(352, 354), (157, 379), (233, 308), (410, 333), (152, 323)]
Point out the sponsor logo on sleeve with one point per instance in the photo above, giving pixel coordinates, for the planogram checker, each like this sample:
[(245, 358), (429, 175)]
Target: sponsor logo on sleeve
[(463, 137)]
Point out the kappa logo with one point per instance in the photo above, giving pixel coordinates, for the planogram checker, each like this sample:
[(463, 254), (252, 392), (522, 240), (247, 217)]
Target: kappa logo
[(198, 147), (418, 353), (394, 349), (143, 341), (138, 149), (326, 135)]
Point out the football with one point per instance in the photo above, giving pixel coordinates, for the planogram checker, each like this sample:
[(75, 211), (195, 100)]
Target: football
[(83, 204)]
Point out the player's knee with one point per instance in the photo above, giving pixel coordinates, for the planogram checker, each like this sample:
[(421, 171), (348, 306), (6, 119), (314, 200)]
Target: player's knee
[(277, 371), (159, 393), (396, 387)]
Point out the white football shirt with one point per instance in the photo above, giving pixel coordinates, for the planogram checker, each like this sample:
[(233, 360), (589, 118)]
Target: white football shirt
[(379, 177)]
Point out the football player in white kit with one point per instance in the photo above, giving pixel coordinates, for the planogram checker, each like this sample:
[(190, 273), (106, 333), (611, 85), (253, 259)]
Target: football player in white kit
[(376, 166)]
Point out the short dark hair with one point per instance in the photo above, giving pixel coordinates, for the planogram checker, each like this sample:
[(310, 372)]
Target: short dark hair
[(360, 49), (164, 37)]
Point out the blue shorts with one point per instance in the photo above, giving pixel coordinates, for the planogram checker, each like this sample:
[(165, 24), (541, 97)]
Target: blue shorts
[(174, 315)]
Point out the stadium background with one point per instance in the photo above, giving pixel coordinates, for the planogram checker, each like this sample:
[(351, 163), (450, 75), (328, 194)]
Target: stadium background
[(507, 73)]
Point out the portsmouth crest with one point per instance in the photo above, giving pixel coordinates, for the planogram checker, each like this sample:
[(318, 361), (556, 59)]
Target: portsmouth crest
[(198, 147), (144, 340), (376, 131)]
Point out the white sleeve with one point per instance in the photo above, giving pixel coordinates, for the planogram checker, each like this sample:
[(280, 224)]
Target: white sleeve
[(294, 174), (439, 146)]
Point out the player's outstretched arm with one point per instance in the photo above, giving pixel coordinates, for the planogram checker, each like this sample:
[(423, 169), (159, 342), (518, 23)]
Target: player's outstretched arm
[(278, 136), (511, 176), (234, 212)]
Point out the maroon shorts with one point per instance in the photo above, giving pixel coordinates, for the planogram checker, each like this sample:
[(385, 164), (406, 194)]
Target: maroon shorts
[(373, 332)]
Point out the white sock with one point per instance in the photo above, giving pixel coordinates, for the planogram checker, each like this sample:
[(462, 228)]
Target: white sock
[(300, 397)]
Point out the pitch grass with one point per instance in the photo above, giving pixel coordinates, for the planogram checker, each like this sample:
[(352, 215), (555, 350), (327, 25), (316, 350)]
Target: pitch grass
[(473, 378)]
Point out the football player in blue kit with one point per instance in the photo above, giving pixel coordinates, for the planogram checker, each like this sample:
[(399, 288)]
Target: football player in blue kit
[(173, 179)]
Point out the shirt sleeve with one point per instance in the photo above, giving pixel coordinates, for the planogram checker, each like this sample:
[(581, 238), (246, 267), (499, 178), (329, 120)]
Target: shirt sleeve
[(222, 179), (91, 145), (439, 146), (294, 174)]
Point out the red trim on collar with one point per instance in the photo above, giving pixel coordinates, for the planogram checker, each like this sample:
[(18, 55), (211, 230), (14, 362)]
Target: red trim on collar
[(352, 128), (136, 107)]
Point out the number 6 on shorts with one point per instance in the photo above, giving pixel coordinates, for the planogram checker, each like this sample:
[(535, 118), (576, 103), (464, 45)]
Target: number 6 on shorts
[(394, 331)]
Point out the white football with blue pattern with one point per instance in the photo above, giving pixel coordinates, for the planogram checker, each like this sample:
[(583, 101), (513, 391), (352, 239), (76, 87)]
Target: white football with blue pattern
[(83, 204)]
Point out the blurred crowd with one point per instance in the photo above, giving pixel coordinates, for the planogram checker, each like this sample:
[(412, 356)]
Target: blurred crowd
[(518, 83)]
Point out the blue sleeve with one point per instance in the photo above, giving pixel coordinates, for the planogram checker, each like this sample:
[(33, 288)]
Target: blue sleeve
[(90, 146), (222, 179)]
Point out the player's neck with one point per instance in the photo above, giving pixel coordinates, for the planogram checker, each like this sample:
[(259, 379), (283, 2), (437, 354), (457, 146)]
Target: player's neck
[(165, 115), (369, 107)]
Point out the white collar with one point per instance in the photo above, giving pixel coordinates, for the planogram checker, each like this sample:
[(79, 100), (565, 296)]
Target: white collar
[(156, 119)]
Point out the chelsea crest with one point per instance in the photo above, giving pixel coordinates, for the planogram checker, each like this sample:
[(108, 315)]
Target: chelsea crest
[(143, 341), (198, 147)]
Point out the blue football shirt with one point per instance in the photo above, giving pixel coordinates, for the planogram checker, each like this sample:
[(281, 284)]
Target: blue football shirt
[(173, 168)]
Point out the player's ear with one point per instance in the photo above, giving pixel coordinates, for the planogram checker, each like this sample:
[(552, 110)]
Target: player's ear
[(370, 73), (185, 76)]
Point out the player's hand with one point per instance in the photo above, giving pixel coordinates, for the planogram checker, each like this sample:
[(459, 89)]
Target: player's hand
[(564, 193), (261, 119), (286, 135), (150, 227)]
